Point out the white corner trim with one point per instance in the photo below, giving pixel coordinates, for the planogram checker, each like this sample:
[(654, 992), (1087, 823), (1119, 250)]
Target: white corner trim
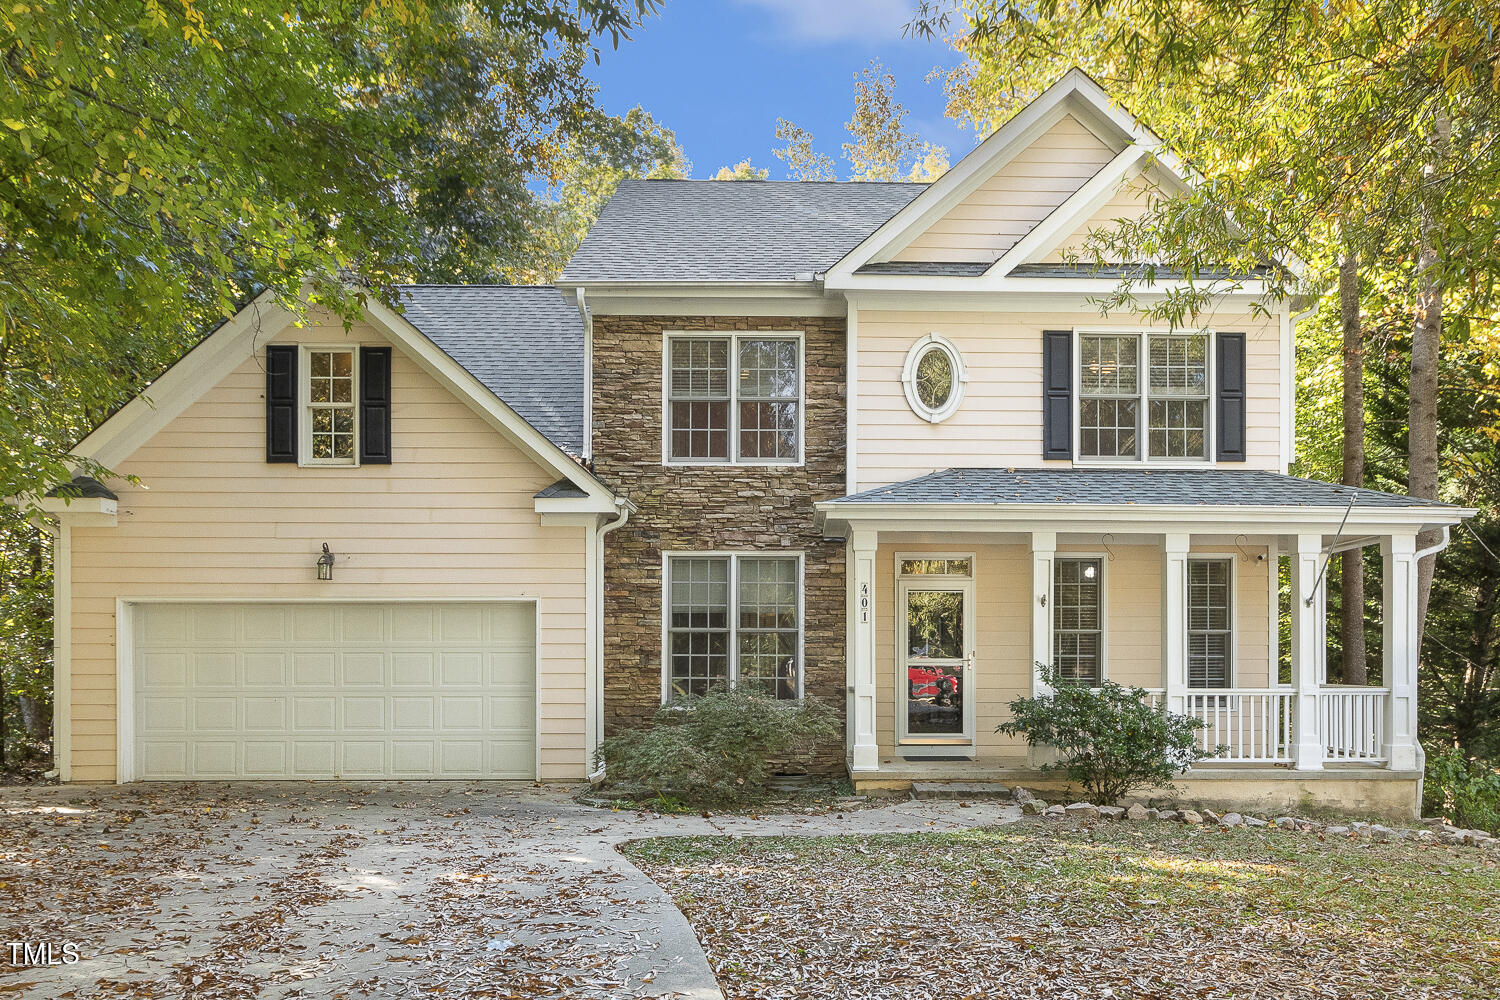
[(62, 649), (960, 373), (124, 692)]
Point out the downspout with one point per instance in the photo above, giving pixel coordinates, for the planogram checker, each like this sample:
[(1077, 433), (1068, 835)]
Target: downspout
[(596, 669), (1433, 549)]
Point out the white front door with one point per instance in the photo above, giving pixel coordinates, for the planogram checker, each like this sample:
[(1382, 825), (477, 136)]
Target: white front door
[(936, 664), (312, 690)]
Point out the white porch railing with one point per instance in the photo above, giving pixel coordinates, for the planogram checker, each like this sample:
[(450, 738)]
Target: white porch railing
[(1256, 724), (1352, 722)]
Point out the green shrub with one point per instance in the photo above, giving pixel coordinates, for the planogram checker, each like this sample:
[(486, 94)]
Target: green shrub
[(717, 748), (1111, 741), (1465, 792)]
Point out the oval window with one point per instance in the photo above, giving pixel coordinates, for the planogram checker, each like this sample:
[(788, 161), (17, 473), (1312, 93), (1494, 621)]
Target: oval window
[(934, 378)]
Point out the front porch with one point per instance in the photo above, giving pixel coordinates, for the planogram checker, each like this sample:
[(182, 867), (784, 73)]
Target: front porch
[(954, 604)]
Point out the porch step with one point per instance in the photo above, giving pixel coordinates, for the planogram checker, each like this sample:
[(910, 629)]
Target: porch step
[(959, 790)]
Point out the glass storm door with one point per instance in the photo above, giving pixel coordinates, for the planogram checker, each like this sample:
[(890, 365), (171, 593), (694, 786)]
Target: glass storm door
[(937, 662)]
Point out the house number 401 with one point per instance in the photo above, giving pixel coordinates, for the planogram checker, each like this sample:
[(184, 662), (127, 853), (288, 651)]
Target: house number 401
[(864, 603)]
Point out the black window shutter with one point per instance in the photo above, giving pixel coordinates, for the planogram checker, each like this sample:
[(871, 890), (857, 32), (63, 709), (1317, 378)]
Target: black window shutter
[(375, 406), (281, 403), (1057, 393), (1229, 397)]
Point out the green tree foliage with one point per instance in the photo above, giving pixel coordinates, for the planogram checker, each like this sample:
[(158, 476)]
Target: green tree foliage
[(881, 148), (742, 171), (1110, 739), (803, 162), (717, 748), (164, 161), (1463, 791)]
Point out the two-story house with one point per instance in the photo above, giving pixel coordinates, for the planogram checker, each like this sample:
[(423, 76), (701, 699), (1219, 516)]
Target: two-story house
[(872, 443)]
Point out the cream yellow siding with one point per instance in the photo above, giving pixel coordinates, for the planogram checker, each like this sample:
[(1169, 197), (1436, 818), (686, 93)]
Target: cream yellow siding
[(1129, 203), (451, 517), (999, 423), (1008, 205), (1002, 596)]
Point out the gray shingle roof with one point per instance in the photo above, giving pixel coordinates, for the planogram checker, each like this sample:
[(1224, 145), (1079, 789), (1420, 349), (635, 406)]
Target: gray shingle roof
[(941, 269), (1079, 269), (563, 489), (731, 230), (523, 342), (1164, 487)]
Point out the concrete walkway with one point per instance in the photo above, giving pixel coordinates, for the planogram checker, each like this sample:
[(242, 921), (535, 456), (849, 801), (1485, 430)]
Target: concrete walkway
[(366, 890)]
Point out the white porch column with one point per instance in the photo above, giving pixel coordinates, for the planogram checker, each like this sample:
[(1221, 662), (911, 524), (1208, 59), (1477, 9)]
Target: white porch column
[(864, 754), (1174, 659), (1043, 551), (1309, 650), (1399, 650)]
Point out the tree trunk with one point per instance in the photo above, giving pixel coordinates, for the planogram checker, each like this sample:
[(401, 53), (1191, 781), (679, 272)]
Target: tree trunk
[(1352, 564), (1426, 339)]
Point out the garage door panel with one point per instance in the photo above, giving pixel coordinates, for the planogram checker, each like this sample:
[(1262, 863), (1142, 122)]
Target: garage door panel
[(324, 691)]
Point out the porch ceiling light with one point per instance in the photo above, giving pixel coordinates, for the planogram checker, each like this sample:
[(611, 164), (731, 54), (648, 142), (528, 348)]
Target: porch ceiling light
[(325, 564)]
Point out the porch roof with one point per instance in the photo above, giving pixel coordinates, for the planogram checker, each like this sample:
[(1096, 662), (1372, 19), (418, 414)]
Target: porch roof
[(1193, 494), (1175, 487)]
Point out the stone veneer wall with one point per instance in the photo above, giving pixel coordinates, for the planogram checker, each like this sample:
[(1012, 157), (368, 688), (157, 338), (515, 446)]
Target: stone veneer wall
[(730, 508)]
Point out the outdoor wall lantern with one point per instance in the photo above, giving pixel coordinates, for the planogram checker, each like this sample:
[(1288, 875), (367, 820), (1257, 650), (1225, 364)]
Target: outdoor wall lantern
[(325, 564)]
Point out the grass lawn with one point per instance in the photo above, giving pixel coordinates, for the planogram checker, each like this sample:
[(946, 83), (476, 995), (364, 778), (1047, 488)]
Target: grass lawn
[(1126, 910)]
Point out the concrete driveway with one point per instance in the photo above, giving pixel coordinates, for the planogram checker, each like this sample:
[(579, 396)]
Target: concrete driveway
[(397, 889)]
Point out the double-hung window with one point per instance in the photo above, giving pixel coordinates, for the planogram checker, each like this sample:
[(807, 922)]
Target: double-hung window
[(329, 399), (1143, 396), (734, 398), (733, 620), (1210, 623), (1078, 620)]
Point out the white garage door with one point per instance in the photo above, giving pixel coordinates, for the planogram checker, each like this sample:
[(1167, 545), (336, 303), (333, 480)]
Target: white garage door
[(334, 690)]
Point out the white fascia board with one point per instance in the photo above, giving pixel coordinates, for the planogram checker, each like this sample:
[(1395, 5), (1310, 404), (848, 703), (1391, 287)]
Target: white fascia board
[(1257, 519), (705, 298), (86, 512), (1074, 93), (971, 293), (183, 384), (590, 506), (461, 382)]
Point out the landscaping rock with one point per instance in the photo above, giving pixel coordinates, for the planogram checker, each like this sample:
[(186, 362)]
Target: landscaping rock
[(1021, 795), (1191, 817), (1383, 834), (1337, 831), (1231, 819), (1255, 821), (1112, 812), (1154, 813), (1055, 811), (1137, 813), (1167, 815), (1082, 810), (1286, 822), (1209, 816), (1033, 807)]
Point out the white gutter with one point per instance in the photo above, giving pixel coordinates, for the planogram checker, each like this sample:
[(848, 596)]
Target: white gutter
[(595, 681)]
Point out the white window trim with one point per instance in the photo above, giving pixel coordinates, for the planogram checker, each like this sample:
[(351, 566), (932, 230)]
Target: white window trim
[(909, 378), (734, 337), (1063, 555), (1143, 445), (304, 406), (1231, 676), (734, 557), (918, 747)]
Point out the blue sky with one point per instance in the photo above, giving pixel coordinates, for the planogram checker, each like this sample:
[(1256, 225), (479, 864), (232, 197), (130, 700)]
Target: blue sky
[(720, 72)]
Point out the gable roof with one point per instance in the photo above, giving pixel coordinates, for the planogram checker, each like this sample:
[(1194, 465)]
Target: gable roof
[(524, 343), (731, 231)]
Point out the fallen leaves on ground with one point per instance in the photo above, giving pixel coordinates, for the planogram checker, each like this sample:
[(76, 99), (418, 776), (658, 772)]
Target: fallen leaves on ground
[(1035, 910)]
